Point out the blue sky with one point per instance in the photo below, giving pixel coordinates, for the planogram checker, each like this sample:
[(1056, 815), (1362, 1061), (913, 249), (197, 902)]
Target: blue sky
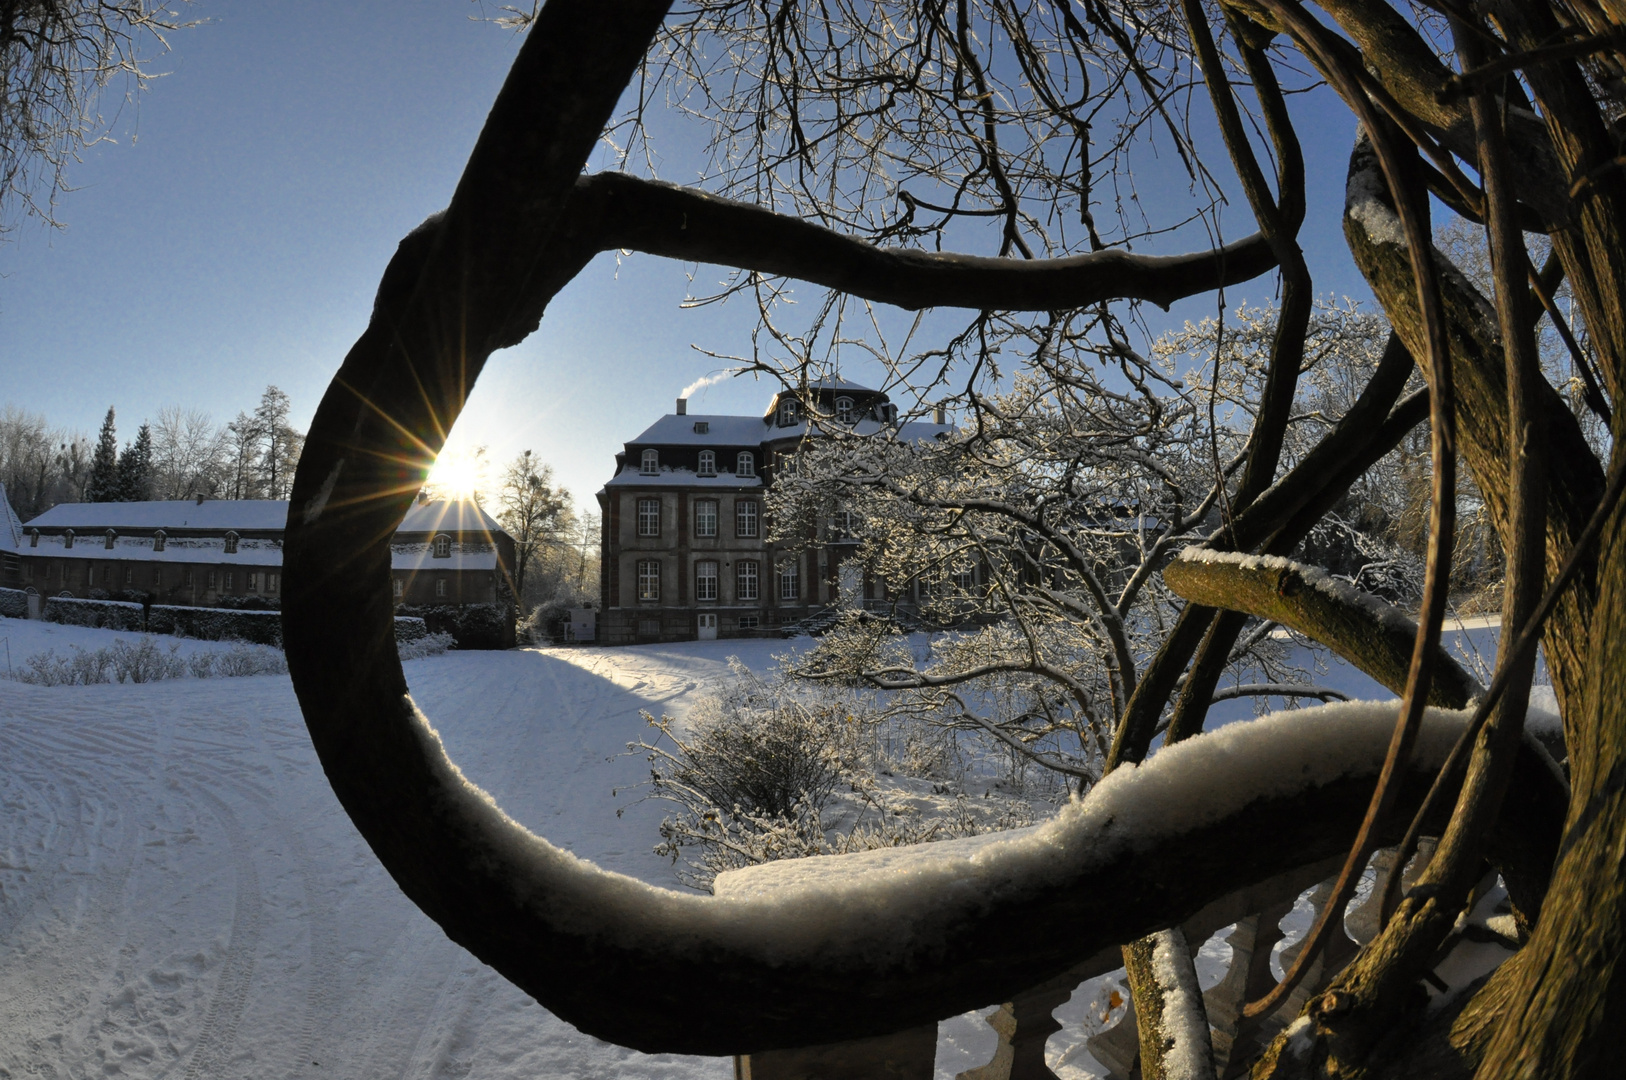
[(234, 235)]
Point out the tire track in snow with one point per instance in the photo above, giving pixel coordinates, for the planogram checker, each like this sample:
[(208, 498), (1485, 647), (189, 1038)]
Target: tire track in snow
[(214, 1044)]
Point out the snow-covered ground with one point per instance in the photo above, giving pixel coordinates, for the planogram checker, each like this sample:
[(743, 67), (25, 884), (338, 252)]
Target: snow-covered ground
[(182, 896)]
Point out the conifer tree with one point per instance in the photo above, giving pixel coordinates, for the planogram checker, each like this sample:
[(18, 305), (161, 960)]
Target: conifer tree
[(104, 469), (135, 468)]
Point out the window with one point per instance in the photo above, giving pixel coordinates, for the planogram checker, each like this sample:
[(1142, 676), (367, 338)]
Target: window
[(271, 582), (745, 580), (158, 539), (750, 622), (649, 579), (226, 584), (440, 586), (649, 517), (400, 587), (67, 538), (705, 517), (844, 410), (33, 538), (789, 412), (790, 583), (745, 464), (129, 575), (708, 463), (443, 547), (705, 580), (157, 577), (231, 543), (650, 463), (841, 525), (745, 517), (253, 581), (191, 581), (965, 580), (112, 537), (702, 427)]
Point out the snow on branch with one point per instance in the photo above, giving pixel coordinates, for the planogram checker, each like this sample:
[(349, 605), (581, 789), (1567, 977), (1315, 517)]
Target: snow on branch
[(1374, 636)]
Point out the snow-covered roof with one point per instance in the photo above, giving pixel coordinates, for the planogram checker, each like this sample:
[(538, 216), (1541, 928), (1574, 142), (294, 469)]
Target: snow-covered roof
[(11, 528), (744, 432), (214, 515), (629, 476), (912, 431), (448, 515), (138, 549), (418, 557)]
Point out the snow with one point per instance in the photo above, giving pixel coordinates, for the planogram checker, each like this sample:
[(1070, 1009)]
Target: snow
[(1187, 1049), (1385, 613), (449, 516), (725, 481), (1366, 200), (674, 429), (214, 515), (178, 550)]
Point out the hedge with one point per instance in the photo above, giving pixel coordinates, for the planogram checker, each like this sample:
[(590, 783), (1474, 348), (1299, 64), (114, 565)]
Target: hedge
[(217, 624), (14, 603), (108, 614), (408, 628), (472, 626)]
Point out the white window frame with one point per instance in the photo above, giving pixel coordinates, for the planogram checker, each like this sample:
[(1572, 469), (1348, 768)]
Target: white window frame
[(790, 581), (440, 587), (708, 463), (705, 579), (67, 538), (747, 519), (649, 464), (271, 582), (399, 587), (231, 543), (790, 411), (649, 580), (442, 546), (747, 580), (844, 410), (745, 464), (705, 523), (112, 538), (158, 539), (649, 517)]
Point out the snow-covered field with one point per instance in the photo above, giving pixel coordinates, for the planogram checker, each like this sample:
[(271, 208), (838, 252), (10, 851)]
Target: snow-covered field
[(182, 896)]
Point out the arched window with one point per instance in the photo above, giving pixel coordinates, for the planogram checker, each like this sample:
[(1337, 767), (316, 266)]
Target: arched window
[(112, 538), (67, 539), (745, 464), (158, 539), (789, 411), (33, 538), (708, 463), (443, 546), (844, 410), (231, 543), (650, 463)]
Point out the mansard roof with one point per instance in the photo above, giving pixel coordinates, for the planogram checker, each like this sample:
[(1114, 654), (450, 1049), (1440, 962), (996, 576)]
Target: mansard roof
[(674, 429)]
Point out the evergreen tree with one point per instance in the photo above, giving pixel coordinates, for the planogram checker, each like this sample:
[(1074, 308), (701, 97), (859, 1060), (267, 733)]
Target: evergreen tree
[(135, 468), (104, 465)]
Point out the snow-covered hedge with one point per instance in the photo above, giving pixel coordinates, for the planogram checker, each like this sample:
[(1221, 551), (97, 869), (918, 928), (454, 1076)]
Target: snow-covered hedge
[(472, 626), (108, 614), (145, 661), (418, 648), (216, 624), (408, 629), (13, 603)]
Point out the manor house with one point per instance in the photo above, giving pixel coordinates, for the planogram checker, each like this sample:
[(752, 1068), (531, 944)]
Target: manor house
[(685, 534)]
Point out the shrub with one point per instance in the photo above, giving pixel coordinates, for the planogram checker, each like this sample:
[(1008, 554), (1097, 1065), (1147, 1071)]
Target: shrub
[(408, 629), (472, 626), (144, 661), (217, 624), (420, 647), (242, 660), (14, 603)]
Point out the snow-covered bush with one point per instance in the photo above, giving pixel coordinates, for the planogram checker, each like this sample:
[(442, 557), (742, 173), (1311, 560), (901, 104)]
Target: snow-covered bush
[(14, 603), (144, 661), (241, 660), (408, 628), (217, 624), (776, 767), (419, 647)]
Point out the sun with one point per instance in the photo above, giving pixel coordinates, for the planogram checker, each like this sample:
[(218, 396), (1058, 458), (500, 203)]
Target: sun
[(457, 474)]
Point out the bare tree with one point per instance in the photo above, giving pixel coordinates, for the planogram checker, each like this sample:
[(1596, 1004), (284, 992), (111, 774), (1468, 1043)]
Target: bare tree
[(537, 513), (57, 58), (826, 118), (189, 453)]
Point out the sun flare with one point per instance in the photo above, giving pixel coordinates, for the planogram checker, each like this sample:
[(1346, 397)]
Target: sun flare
[(457, 474)]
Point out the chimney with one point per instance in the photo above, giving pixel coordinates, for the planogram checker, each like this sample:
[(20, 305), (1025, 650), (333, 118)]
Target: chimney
[(200, 498), (683, 406), (939, 414)]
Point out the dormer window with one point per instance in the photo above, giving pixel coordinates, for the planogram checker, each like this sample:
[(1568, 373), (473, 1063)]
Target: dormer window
[(745, 464), (708, 463), (844, 410), (702, 427), (650, 463), (112, 537), (158, 539), (443, 546), (231, 543), (33, 538), (789, 412), (67, 538)]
